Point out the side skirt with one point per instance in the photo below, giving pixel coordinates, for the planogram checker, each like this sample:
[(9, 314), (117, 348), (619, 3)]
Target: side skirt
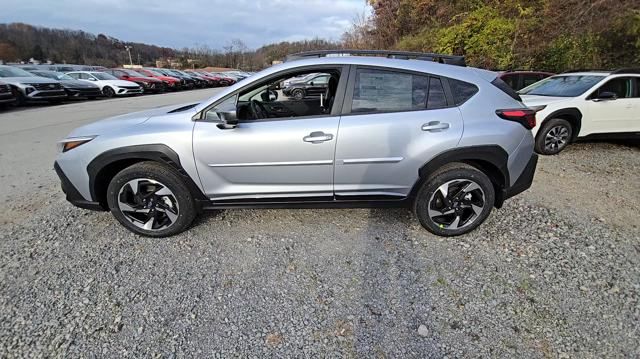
[(212, 205)]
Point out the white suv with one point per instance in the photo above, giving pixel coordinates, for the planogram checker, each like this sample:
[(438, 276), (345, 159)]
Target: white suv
[(109, 84), (581, 104)]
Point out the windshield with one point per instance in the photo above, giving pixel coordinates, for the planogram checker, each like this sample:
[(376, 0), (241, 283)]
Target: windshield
[(61, 76), (133, 73), (103, 76), (6, 71), (562, 86), (50, 75)]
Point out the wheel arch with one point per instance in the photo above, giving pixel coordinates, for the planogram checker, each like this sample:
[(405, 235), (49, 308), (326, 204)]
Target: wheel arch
[(492, 160), (105, 166), (570, 114)]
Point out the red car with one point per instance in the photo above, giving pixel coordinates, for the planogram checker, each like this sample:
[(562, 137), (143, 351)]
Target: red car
[(222, 80), (518, 80), (171, 83), (148, 84)]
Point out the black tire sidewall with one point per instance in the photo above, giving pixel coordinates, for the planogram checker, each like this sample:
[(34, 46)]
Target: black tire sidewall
[(431, 185), (541, 135), (168, 177), (108, 92)]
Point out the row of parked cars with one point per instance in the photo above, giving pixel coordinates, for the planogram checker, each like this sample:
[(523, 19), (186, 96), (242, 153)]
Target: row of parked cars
[(20, 84)]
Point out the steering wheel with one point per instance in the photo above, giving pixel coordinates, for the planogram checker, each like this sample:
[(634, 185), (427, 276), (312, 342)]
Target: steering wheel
[(258, 109)]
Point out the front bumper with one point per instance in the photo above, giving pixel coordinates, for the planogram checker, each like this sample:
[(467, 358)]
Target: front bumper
[(121, 91), (83, 92), (72, 193), (46, 95), (6, 97)]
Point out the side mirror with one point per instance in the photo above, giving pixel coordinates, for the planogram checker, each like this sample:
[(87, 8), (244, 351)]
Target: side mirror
[(92, 79), (125, 76), (311, 83), (228, 120), (606, 96)]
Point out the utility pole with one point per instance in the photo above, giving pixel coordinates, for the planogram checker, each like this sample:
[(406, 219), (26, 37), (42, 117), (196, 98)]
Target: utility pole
[(128, 48)]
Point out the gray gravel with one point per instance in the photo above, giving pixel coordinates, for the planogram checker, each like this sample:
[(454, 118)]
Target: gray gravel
[(531, 282)]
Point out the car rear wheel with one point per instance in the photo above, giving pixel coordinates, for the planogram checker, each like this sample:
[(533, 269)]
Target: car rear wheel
[(108, 92), (454, 200), (150, 199), (554, 136)]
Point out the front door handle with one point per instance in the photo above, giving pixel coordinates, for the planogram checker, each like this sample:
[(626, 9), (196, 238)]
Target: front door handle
[(318, 137), (435, 126)]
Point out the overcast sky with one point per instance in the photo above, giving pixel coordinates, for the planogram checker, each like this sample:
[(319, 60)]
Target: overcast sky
[(187, 23)]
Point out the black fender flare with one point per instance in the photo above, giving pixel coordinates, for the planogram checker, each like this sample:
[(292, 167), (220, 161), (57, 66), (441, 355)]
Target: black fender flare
[(152, 152), (491, 159), (573, 112)]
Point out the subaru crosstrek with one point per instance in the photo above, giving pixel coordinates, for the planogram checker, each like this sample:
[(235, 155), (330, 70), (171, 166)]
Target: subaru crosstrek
[(449, 141)]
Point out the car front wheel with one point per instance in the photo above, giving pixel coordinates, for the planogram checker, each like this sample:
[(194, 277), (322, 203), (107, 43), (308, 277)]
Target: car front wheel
[(108, 92), (554, 136), (151, 199), (454, 200)]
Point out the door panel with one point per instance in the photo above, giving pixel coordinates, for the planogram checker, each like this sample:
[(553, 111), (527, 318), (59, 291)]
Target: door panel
[(619, 115), (266, 159), (380, 154)]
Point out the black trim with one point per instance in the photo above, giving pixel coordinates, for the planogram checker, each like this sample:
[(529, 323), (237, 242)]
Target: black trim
[(153, 152), (493, 154), (613, 136), (524, 181), (569, 111), (297, 203), (404, 55), (72, 193)]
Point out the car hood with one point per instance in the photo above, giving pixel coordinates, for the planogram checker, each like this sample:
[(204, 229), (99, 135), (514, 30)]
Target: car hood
[(535, 100), (121, 82), (29, 80), (122, 121)]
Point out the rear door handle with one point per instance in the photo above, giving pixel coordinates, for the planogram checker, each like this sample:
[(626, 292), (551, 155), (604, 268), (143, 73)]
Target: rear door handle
[(318, 137), (435, 126)]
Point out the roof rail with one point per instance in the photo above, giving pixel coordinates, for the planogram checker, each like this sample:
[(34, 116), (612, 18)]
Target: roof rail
[(586, 70), (626, 71), (405, 55)]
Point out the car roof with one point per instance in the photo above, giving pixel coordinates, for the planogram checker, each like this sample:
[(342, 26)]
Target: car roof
[(431, 67), (585, 73)]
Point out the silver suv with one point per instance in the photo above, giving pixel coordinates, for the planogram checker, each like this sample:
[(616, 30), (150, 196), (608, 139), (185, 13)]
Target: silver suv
[(391, 129)]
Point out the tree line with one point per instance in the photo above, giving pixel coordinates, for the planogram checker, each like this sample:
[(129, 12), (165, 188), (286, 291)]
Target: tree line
[(553, 35)]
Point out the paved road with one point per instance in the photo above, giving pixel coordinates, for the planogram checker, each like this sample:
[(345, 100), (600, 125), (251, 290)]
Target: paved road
[(28, 136)]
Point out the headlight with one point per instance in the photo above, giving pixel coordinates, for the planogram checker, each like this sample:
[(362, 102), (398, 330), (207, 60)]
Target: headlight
[(71, 143), (29, 89)]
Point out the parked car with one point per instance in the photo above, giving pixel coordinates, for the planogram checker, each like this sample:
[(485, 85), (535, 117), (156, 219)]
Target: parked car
[(518, 80), (155, 170), (198, 82), (74, 88), (210, 80), (6, 96), (186, 81), (148, 84), (27, 87), (310, 86), (584, 104), (171, 83), (224, 79), (109, 84)]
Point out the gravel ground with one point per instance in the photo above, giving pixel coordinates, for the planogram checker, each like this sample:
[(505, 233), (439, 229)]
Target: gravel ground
[(533, 281)]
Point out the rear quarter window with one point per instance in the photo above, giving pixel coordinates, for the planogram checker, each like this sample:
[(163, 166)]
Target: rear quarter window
[(497, 82), (462, 91)]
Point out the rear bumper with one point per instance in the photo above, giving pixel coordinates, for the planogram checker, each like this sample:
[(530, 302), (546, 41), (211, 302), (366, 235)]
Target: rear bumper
[(523, 182), (72, 193)]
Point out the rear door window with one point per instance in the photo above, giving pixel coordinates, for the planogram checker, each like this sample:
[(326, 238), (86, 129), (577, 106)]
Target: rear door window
[(391, 91)]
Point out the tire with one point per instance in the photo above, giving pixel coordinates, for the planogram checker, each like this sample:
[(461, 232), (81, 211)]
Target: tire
[(554, 136), (298, 94), (20, 99), (108, 92), (170, 208), (470, 199)]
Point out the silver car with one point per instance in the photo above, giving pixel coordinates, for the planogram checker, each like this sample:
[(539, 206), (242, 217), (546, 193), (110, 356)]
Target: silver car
[(450, 142)]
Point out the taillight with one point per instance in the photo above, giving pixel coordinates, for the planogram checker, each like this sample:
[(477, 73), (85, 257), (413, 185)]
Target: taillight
[(526, 117)]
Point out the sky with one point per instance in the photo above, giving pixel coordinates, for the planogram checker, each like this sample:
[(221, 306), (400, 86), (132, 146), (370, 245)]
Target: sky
[(190, 23)]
